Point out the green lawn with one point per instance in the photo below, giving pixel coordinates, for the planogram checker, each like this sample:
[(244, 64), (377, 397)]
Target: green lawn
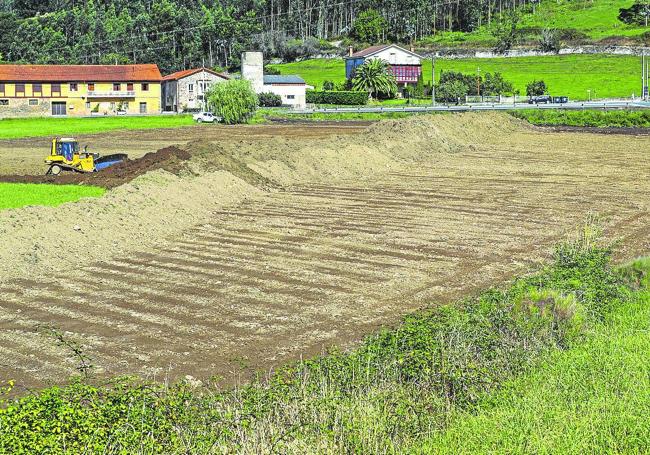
[(594, 398), (15, 195), (607, 76), (44, 126)]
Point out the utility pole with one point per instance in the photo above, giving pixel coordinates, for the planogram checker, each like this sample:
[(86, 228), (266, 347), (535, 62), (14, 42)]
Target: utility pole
[(478, 82), (433, 81), (643, 78)]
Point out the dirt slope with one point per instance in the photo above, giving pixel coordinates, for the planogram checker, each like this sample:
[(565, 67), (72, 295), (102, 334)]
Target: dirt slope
[(261, 251)]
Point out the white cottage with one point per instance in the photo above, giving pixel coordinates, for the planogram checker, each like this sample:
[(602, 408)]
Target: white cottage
[(185, 90), (406, 65)]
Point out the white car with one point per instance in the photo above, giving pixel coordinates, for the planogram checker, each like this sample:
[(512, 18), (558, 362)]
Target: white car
[(205, 117)]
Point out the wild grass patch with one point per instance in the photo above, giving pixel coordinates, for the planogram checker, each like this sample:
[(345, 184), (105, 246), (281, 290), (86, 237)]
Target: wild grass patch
[(589, 118)]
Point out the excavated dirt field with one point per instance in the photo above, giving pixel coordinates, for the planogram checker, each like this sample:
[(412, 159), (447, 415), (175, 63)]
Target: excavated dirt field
[(25, 156), (262, 250)]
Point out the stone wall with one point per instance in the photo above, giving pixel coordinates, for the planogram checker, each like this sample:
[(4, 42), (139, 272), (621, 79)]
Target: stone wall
[(21, 107)]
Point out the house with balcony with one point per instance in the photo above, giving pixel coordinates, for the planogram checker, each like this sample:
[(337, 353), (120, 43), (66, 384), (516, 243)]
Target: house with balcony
[(186, 90), (79, 90), (405, 65)]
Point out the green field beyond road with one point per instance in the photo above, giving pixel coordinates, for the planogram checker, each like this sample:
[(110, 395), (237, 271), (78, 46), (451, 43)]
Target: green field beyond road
[(44, 126), (15, 195), (606, 76)]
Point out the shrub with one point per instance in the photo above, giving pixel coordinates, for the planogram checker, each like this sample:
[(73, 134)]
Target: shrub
[(536, 88), (495, 84), (269, 99), (451, 91), (234, 101), (637, 14), (550, 41), (329, 85), (347, 98)]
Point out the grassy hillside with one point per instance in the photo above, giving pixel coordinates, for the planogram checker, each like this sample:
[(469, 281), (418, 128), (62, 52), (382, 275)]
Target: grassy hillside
[(606, 76), (594, 21), (544, 349), (48, 126), (15, 195)]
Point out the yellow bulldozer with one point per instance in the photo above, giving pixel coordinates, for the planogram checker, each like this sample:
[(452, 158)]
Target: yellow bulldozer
[(65, 155)]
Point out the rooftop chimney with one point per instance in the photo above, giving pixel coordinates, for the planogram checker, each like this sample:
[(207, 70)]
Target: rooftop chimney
[(350, 51)]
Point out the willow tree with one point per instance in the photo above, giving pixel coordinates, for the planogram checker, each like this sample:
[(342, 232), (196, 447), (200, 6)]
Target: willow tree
[(375, 77)]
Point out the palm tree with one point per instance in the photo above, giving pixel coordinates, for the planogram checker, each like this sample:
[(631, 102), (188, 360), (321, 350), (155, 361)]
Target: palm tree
[(375, 77)]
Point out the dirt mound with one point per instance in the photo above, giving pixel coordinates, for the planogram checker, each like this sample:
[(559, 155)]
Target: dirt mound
[(170, 159)]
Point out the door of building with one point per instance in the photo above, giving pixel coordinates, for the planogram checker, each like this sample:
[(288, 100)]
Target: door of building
[(58, 108)]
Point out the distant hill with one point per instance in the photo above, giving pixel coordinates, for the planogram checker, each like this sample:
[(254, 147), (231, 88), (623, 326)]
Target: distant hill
[(576, 22)]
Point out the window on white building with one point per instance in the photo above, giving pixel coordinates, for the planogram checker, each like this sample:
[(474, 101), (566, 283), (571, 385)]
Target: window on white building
[(291, 97), (190, 88)]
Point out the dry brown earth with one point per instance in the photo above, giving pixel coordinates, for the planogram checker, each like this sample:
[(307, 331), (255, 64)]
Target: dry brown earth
[(266, 249), (25, 156)]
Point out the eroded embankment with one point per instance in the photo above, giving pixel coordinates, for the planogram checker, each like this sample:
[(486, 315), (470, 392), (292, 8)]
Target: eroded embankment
[(174, 189)]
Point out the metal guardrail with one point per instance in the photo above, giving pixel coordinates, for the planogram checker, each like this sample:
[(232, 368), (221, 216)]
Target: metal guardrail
[(479, 107)]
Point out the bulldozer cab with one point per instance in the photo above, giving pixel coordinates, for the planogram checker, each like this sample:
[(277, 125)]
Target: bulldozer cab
[(67, 148)]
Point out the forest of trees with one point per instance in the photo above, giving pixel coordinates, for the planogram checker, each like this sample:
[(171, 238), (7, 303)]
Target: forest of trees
[(179, 34)]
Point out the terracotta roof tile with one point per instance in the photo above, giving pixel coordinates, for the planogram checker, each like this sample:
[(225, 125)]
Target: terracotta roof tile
[(79, 73), (185, 73), (369, 50)]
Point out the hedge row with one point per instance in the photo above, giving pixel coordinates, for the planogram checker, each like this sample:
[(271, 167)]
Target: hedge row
[(333, 97)]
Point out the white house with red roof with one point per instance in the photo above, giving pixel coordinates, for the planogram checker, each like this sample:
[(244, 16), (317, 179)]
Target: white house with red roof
[(185, 90), (406, 65)]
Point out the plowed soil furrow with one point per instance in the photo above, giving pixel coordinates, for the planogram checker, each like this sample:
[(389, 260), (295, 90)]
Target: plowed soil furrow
[(328, 258)]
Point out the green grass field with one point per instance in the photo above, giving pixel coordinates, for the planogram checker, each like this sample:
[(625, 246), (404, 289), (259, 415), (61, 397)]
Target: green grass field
[(15, 195), (607, 76), (43, 126)]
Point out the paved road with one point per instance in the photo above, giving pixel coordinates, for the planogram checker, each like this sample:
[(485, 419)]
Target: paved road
[(483, 107)]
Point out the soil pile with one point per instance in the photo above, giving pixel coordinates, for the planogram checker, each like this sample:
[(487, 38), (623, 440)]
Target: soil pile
[(169, 159)]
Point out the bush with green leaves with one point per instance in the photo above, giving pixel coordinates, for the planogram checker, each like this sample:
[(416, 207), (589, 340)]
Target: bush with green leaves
[(451, 92), (494, 84), (268, 99), (536, 88), (637, 14), (343, 98), (234, 101)]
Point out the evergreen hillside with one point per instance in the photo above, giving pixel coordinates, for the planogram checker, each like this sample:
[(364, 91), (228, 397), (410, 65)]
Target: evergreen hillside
[(181, 34)]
